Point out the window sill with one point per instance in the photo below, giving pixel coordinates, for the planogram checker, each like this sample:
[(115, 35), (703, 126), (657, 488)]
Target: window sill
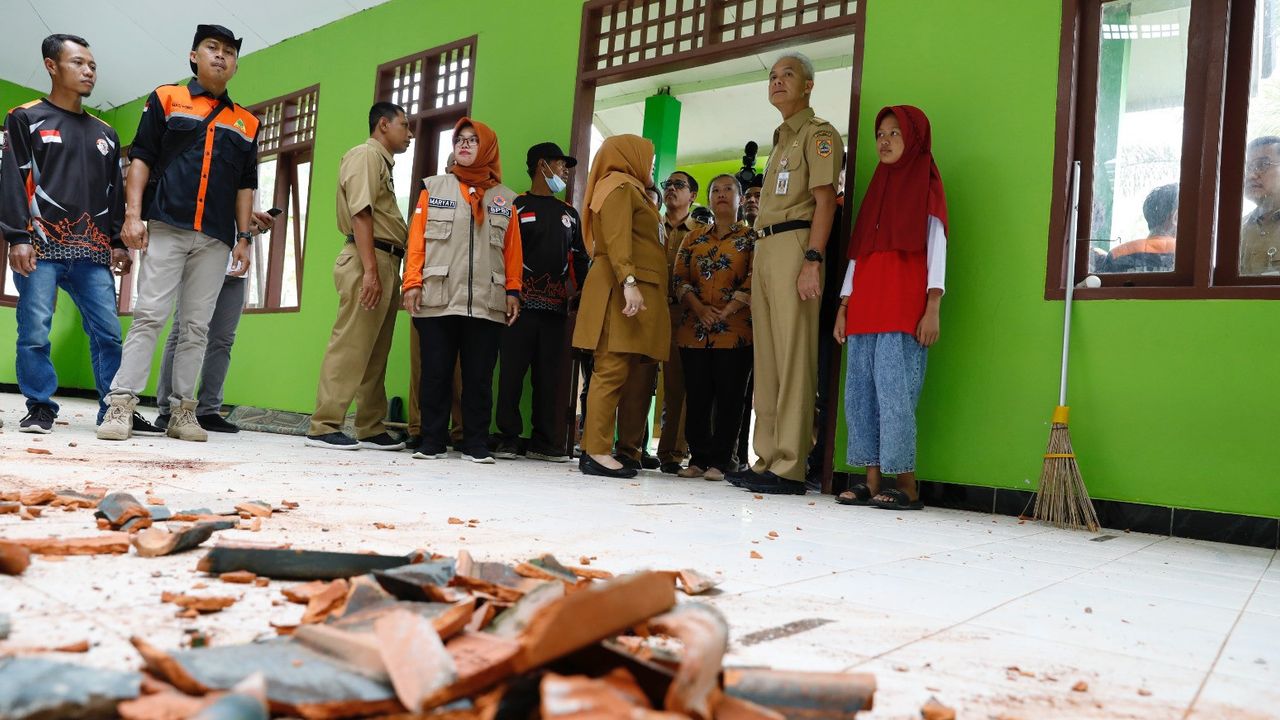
[(1220, 292)]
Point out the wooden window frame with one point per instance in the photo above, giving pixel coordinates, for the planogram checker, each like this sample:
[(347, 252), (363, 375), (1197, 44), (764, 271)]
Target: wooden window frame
[(427, 122), (1210, 198), (292, 144)]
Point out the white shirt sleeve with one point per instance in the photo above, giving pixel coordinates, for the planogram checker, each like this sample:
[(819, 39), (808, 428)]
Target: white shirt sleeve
[(936, 255), (847, 288), (935, 260)]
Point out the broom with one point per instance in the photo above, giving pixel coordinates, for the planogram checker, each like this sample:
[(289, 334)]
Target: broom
[(1062, 498)]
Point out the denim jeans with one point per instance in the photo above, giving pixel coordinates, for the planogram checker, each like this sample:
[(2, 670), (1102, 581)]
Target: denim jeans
[(93, 290), (883, 377)]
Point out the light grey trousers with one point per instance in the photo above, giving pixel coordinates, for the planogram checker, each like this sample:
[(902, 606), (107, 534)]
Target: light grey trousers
[(217, 351), (182, 266)]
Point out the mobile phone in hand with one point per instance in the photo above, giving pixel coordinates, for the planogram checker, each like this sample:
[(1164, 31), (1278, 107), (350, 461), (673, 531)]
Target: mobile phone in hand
[(274, 212)]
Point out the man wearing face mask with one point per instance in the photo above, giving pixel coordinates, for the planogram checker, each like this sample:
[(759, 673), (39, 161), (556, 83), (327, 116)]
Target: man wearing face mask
[(555, 264)]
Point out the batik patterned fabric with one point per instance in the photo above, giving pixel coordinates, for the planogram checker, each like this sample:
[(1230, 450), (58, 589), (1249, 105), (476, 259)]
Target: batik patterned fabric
[(716, 270)]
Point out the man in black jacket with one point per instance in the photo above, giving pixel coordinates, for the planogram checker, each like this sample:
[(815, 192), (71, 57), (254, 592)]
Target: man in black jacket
[(555, 263)]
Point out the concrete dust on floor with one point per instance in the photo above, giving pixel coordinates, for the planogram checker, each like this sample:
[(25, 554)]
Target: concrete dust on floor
[(992, 616)]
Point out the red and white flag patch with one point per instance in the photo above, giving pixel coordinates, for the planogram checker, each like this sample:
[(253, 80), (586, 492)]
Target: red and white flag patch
[(51, 136), (527, 217)]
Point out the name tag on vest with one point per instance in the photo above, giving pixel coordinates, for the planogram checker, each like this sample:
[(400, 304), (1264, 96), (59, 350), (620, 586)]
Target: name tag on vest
[(436, 202)]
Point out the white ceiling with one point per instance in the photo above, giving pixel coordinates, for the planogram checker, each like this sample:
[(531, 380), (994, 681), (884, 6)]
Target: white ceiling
[(140, 44), (725, 104)]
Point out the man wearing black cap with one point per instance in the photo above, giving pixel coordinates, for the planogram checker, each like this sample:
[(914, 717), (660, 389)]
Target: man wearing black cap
[(555, 263), (201, 150)]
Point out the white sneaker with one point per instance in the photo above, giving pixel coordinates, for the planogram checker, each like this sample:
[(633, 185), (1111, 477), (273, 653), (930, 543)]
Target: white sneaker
[(485, 459), (532, 455), (420, 455)]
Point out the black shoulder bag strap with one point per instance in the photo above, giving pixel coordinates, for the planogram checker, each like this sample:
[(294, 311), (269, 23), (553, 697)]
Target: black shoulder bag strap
[(171, 149)]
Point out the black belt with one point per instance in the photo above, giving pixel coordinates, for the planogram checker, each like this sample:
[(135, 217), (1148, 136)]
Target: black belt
[(383, 246), (781, 227)]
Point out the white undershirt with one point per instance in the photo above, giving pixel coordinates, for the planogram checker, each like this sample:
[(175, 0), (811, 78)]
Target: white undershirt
[(935, 260)]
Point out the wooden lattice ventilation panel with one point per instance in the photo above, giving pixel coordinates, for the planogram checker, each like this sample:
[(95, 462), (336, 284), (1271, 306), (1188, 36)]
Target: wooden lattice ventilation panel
[(289, 122), (628, 32), (433, 80)]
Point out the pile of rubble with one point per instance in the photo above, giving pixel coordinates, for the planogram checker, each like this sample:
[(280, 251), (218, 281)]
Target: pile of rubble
[(414, 635)]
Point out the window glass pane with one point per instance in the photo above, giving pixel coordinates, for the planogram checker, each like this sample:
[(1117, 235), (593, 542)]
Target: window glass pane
[(261, 247), (294, 243), (1260, 227), (402, 176), (444, 148), (1142, 68)]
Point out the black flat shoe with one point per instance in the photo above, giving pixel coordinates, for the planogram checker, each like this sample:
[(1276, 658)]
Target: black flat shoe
[(740, 478), (591, 467), (770, 484), (649, 462), (627, 462)]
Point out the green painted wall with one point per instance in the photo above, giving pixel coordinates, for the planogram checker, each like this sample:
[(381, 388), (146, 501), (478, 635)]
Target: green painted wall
[(1173, 402)]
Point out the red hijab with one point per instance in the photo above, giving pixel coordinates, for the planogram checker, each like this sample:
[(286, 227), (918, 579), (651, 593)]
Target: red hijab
[(896, 207), (486, 171)]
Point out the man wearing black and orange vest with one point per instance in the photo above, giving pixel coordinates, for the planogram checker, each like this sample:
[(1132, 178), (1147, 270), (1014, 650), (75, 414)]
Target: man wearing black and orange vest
[(202, 151)]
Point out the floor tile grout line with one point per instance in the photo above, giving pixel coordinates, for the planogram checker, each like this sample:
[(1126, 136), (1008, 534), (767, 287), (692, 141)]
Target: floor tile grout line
[(1003, 604), (1227, 639)]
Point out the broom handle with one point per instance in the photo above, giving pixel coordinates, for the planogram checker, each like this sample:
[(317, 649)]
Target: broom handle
[(1072, 232)]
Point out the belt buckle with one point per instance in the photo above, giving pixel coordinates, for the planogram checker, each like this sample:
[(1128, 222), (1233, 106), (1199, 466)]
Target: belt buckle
[(755, 234)]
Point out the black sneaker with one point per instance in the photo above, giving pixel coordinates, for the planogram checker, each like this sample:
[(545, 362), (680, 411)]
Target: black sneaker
[(381, 441), (161, 424), (481, 456), (740, 478), (213, 422), (413, 442), (38, 420), (333, 441), (506, 450), (425, 452), (142, 427), (770, 484), (649, 462)]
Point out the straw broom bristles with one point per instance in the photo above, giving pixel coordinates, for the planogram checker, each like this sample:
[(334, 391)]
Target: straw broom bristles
[(1062, 498)]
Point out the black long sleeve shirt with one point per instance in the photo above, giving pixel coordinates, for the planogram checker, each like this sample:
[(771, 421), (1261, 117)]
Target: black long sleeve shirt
[(555, 258), (60, 183)]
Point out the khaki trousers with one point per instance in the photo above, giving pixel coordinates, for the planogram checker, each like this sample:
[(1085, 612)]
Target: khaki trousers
[(672, 446), (633, 409), (179, 265), (355, 363), (785, 333)]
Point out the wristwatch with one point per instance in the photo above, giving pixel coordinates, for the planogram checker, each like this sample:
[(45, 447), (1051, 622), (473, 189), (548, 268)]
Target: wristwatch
[(813, 255), (629, 281), (246, 236)]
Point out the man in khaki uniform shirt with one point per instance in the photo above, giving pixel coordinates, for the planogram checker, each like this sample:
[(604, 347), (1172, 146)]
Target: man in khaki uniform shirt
[(1260, 234), (797, 206), (367, 277)]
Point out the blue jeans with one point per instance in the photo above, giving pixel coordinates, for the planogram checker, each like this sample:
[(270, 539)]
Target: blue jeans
[(883, 377), (93, 290)]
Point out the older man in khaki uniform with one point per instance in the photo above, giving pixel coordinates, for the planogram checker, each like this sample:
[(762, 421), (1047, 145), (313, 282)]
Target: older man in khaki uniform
[(797, 206), (367, 276)]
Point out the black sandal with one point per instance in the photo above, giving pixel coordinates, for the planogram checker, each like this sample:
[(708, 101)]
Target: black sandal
[(898, 501), (859, 495)]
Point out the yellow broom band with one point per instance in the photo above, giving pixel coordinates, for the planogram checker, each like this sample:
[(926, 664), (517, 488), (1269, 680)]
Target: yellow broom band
[(1050, 456), (1060, 414)]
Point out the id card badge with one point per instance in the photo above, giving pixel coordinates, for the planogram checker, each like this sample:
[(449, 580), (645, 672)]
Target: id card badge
[(784, 178)]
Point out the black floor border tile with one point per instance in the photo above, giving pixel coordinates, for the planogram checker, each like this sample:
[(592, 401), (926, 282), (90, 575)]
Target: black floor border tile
[(1222, 527)]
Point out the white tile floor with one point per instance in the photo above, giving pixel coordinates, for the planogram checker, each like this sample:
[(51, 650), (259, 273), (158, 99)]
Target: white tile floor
[(935, 603)]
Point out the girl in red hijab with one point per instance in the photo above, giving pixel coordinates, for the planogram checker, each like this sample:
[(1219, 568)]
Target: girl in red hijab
[(889, 306)]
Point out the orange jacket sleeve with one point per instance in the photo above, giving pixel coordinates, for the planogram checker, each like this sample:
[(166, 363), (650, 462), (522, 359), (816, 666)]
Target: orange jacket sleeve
[(513, 256), (416, 256)]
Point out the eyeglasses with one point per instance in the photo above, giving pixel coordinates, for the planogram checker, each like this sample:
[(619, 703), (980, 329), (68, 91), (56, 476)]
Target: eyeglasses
[(1258, 166), (677, 184), (467, 141)]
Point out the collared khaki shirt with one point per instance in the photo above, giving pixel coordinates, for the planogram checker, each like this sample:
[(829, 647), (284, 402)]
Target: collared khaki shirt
[(364, 181), (807, 153), (1260, 244), (673, 237)]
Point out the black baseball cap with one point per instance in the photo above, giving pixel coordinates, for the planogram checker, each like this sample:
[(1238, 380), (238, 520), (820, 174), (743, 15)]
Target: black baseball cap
[(548, 151), (218, 31)]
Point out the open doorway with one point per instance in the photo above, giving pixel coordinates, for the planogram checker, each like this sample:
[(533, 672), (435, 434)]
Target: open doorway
[(713, 59)]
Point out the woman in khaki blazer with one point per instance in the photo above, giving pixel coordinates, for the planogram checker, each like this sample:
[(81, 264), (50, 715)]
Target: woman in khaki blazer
[(622, 317)]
